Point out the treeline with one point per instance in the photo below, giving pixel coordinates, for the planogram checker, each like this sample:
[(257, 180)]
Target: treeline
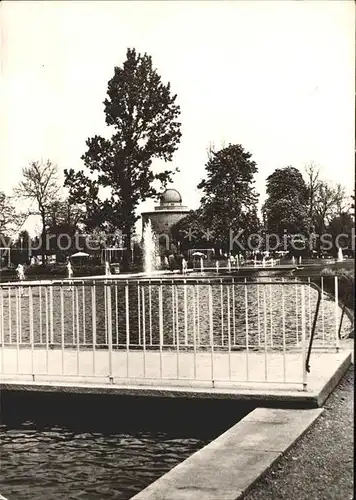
[(302, 214)]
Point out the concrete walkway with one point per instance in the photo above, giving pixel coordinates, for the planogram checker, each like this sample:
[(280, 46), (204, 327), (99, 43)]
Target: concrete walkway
[(320, 466), (167, 374)]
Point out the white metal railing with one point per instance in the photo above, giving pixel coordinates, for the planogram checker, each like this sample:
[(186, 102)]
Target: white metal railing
[(187, 329)]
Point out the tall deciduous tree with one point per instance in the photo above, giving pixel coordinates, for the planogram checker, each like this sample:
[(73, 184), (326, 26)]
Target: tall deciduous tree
[(62, 213), (286, 207), (144, 116), (341, 225), (40, 184), (8, 216), (313, 181), (191, 231), (329, 203), (229, 202)]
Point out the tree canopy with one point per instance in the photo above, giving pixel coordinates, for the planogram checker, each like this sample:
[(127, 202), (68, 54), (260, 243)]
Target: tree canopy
[(229, 201), (286, 206), (40, 184), (8, 216), (144, 117)]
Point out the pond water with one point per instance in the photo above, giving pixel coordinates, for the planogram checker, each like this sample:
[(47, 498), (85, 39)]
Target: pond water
[(70, 452), (190, 314)]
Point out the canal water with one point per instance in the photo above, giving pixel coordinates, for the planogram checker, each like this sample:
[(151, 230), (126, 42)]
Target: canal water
[(55, 447)]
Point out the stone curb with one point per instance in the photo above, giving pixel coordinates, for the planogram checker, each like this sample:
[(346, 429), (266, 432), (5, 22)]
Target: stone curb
[(228, 467)]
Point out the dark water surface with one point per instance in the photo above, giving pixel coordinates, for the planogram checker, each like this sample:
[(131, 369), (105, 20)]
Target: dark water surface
[(55, 447)]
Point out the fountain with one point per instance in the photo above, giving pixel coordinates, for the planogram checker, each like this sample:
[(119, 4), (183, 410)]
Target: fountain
[(21, 275), (217, 267), (264, 261), (229, 265), (293, 260), (340, 256), (107, 268), (69, 270), (255, 261), (149, 249), (300, 260), (201, 264), (184, 266)]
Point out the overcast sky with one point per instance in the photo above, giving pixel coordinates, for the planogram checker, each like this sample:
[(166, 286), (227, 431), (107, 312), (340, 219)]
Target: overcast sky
[(276, 77)]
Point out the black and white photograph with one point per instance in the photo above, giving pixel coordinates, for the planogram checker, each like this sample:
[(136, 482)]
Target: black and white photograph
[(177, 249)]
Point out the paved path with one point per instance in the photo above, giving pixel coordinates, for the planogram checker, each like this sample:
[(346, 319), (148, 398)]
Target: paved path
[(320, 465)]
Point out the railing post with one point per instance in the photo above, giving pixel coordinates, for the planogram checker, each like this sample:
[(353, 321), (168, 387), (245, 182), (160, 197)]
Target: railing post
[(160, 317), (109, 327), (143, 329), (77, 327), (93, 319), (150, 310), (337, 343), (51, 314), (265, 331), (228, 328), (177, 329), (62, 323), (283, 333), (222, 311), (173, 315), (246, 332), (17, 335), (10, 315), (211, 332), (233, 311), (40, 309), (194, 331), (258, 316), (2, 329), (127, 311), (30, 310), (185, 312), (83, 313), (73, 316), (303, 321), (139, 312), (322, 308)]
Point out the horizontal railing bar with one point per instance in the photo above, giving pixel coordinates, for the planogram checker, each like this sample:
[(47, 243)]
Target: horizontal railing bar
[(148, 379), (167, 282)]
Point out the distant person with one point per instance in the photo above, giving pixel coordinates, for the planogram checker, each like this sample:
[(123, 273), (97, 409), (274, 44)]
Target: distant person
[(172, 262), (179, 260)]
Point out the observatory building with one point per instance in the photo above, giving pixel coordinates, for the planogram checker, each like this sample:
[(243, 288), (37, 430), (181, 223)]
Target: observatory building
[(167, 213)]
